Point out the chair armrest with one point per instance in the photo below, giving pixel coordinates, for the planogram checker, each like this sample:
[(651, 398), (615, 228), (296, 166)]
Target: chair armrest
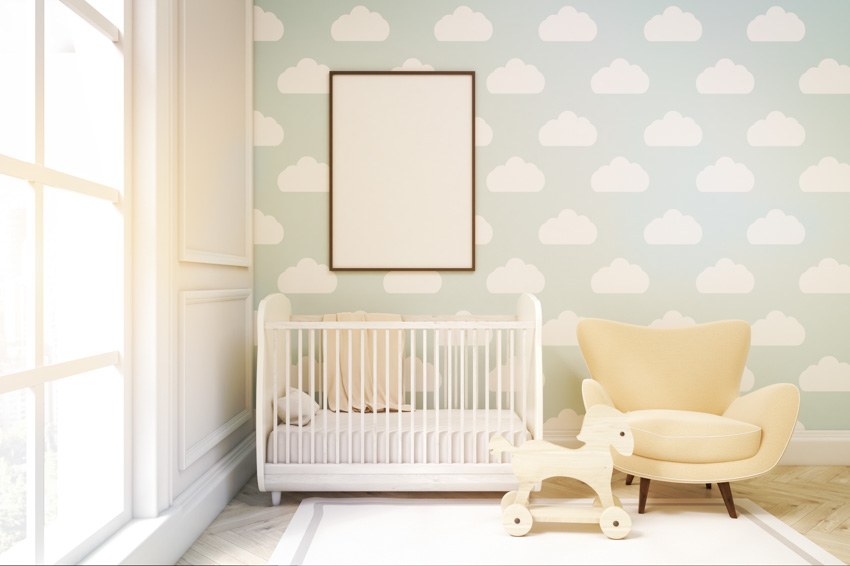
[(773, 408), (593, 393)]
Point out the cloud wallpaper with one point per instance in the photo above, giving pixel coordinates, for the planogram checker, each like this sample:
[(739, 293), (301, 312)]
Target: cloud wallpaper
[(650, 162)]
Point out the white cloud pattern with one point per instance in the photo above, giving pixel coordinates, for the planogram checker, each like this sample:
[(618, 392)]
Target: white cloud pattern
[(483, 132), (776, 25), (620, 78), (516, 176), (483, 231), (267, 27), (673, 130), (516, 276), (567, 25), (568, 228), (777, 329), (267, 230), (620, 277), (828, 375), (516, 78), (777, 228), (776, 130), (674, 228), (307, 276), (360, 25), (561, 331), (620, 177), (413, 64), (725, 176), (672, 319), (673, 25), (307, 176), (463, 25), (827, 78), (828, 276), (725, 78), (267, 132), (828, 176), (414, 282), (566, 421), (725, 277), (567, 130), (306, 76)]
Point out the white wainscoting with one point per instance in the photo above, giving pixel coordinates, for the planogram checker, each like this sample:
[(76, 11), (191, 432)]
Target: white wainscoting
[(214, 375), (215, 118)]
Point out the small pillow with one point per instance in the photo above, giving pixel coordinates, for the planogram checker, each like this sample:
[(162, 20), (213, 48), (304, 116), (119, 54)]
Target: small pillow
[(287, 407)]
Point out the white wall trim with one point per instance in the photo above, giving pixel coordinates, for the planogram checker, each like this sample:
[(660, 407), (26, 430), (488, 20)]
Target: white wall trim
[(807, 447), (188, 455), (164, 539), (186, 253)]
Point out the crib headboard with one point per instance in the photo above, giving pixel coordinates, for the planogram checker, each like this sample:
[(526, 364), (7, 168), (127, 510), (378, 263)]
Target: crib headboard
[(274, 308), (528, 309)]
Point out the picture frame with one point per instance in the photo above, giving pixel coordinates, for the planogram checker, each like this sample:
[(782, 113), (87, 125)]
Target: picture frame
[(402, 170)]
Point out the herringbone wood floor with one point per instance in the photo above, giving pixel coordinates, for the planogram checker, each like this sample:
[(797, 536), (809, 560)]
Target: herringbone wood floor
[(814, 500)]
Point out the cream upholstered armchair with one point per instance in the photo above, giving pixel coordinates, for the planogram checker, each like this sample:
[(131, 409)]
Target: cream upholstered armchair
[(680, 387)]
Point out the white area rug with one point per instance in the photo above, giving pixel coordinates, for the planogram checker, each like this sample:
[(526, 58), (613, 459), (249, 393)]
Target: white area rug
[(469, 531)]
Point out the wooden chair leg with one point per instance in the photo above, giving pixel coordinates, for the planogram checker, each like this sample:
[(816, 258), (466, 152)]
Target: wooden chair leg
[(629, 478), (726, 492), (644, 490)]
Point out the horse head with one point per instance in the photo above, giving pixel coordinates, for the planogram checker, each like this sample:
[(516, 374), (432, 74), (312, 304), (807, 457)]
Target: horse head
[(605, 424)]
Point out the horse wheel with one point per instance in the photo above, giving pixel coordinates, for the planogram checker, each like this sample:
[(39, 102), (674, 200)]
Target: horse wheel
[(508, 499), (598, 502), (615, 522), (517, 519)]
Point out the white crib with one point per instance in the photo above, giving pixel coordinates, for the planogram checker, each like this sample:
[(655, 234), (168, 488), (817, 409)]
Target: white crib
[(461, 380)]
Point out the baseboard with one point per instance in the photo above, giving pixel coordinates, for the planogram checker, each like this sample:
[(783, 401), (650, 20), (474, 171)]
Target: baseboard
[(164, 539), (807, 447)]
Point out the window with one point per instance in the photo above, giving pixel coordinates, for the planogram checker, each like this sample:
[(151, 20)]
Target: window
[(64, 392)]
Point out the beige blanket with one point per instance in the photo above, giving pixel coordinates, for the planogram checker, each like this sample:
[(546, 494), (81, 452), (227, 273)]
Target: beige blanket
[(377, 394)]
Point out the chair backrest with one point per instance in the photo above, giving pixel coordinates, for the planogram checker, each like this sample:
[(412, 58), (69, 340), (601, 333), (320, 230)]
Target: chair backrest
[(692, 368)]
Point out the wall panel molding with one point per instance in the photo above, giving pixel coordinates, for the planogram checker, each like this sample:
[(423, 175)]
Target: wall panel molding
[(214, 369)]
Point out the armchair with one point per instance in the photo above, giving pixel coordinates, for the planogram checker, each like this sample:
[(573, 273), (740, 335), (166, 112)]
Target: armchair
[(680, 388)]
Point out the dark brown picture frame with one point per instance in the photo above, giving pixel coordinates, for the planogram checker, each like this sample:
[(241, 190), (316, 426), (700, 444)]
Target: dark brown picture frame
[(402, 171)]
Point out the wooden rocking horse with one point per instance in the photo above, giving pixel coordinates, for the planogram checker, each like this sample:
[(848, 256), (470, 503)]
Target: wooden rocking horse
[(604, 428)]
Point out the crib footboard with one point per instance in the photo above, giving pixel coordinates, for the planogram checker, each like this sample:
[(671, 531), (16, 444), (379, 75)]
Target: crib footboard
[(406, 403)]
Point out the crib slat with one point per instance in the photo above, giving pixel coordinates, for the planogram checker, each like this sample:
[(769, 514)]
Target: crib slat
[(413, 395), (399, 335), (300, 428), (350, 394), (425, 394), (474, 395), (275, 417), (288, 377), (374, 394), (387, 392), (511, 400), (325, 404), (523, 382), (449, 406), (488, 432), (338, 380), (362, 397), (499, 365), (437, 398), (462, 387), (312, 360)]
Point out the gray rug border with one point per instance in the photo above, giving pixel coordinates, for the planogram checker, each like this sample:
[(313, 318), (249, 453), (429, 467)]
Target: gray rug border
[(318, 505)]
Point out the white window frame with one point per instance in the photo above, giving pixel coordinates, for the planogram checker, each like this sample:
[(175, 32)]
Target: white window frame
[(35, 378)]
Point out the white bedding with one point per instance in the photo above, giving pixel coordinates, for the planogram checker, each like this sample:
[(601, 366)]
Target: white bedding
[(460, 438)]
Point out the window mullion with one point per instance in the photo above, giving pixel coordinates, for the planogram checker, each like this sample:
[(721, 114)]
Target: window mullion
[(35, 495)]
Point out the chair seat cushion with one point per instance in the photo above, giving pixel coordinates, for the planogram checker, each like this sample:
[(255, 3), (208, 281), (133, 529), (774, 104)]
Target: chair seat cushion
[(686, 436)]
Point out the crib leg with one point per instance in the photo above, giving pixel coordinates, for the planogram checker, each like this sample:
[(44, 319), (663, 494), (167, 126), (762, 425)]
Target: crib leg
[(275, 498)]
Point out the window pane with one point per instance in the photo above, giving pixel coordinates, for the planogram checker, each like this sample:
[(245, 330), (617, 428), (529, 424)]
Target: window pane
[(83, 99), (17, 67), (17, 276), (83, 270), (15, 410), (83, 458)]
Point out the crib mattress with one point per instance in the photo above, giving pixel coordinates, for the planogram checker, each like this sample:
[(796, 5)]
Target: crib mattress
[(459, 437)]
